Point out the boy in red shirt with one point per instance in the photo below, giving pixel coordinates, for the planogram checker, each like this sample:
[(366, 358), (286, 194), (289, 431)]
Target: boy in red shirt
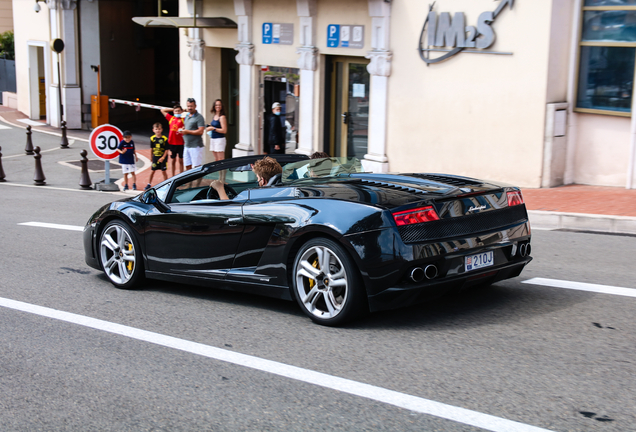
[(175, 139)]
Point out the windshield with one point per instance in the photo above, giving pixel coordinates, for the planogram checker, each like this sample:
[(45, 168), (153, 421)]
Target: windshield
[(324, 167)]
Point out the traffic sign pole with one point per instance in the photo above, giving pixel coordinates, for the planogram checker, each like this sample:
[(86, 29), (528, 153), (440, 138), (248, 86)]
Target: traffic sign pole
[(104, 141)]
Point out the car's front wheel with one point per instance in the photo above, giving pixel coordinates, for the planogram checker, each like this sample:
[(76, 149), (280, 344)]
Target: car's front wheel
[(326, 284), (120, 255)]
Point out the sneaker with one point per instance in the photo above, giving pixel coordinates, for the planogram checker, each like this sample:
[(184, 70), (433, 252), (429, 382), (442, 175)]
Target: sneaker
[(125, 187), (148, 186), (134, 186)]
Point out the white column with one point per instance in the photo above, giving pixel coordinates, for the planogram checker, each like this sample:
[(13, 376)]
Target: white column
[(308, 64), (245, 59), (380, 69), (62, 16), (52, 94), (196, 54), (71, 90), (572, 135)]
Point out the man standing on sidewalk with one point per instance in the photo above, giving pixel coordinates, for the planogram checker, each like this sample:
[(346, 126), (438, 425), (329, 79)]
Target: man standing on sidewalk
[(193, 128)]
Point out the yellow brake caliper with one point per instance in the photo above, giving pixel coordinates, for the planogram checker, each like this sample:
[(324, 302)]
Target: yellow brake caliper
[(311, 281), (129, 265)]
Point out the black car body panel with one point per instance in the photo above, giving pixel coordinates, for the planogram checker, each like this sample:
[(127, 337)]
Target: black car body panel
[(249, 243)]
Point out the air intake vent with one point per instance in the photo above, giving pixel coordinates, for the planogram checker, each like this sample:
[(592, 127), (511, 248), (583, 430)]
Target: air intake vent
[(390, 186), (447, 180)]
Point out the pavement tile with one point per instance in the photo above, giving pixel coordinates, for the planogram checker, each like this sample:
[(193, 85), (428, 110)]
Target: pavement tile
[(600, 200)]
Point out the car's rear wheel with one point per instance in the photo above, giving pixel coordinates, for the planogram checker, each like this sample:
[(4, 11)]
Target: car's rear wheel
[(120, 255), (326, 285)]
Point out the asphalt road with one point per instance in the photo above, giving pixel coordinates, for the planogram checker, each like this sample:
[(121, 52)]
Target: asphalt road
[(552, 358)]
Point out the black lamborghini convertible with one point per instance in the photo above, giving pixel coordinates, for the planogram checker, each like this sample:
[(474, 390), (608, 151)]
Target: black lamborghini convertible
[(339, 241)]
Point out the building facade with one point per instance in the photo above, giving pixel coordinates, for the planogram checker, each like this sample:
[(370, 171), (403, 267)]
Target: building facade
[(537, 94)]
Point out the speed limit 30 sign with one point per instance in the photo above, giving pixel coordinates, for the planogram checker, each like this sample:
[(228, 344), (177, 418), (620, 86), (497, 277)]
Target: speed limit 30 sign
[(104, 140)]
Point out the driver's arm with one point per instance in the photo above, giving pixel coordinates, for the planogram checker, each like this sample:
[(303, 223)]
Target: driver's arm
[(219, 187)]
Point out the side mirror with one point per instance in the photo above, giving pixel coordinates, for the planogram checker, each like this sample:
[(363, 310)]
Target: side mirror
[(150, 197)]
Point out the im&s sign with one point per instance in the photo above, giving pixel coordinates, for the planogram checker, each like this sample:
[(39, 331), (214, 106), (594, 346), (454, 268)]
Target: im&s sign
[(451, 35)]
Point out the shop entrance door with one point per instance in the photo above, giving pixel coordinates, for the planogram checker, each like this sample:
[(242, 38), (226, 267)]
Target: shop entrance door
[(350, 107)]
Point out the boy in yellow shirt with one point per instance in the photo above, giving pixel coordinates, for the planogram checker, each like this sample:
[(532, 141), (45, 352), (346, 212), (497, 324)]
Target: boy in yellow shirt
[(158, 144)]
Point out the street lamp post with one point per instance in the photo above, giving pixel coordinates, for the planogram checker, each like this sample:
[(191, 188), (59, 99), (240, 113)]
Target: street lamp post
[(57, 45)]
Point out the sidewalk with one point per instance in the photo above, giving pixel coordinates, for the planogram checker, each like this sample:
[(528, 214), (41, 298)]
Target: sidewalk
[(142, 146), (575, 207)]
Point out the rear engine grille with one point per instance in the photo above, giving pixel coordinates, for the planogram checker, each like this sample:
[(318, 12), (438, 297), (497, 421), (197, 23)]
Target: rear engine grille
[(390, 186), (463, 225), (447, 180)]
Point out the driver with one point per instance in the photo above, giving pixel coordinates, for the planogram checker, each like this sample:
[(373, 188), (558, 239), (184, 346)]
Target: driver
[(264, 169)]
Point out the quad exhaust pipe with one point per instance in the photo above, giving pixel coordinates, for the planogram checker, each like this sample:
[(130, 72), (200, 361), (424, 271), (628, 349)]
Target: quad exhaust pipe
[(525, 249), (418, 274)]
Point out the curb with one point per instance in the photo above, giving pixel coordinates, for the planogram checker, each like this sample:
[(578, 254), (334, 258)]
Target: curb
[(582, 222)]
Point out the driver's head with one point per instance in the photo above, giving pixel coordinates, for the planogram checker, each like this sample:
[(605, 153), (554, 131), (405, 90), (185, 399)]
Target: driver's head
[(265, 169)]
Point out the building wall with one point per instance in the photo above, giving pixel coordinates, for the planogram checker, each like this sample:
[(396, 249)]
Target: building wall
[(6, 15), (29, 26), (560, 43), (479, 115), (222, 38), (283, 11), (602, 150)]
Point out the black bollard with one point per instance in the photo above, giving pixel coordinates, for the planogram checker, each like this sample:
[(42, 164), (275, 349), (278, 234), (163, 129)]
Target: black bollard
[(29, 145), (2, 176), (64, 142), (38, 177), (85, 180)]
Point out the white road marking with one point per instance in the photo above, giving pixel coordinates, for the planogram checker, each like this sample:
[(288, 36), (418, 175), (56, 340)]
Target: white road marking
[(391, 397), (31, 122), (50, 225), (70, 143), (64, 189), (43, 131), (580, 286), (4, 127)]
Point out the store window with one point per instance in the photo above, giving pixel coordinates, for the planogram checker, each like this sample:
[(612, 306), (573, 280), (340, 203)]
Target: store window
[(606, 57), (282, 85)]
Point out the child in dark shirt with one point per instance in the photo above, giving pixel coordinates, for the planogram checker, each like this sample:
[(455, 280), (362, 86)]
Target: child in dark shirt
[(127, 159)]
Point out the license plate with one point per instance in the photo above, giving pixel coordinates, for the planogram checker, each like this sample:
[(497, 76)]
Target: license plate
[(477, 261)]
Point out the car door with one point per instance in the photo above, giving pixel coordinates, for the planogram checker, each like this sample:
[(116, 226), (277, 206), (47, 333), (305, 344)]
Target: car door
[(197, 234), (194, 239)]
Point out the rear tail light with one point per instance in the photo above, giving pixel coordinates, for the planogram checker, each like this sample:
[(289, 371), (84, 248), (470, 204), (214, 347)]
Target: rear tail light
[(514, 198), (415, 216)]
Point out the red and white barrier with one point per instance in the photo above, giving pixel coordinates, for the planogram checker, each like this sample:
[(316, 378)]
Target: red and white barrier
[(137, 105)]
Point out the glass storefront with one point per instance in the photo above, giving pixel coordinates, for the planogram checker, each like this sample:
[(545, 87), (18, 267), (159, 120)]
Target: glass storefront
[(350, 112), (282, 85)]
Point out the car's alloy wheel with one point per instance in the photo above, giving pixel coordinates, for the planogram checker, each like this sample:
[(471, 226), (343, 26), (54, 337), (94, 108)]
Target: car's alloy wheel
[(325, 282), (120, 255)]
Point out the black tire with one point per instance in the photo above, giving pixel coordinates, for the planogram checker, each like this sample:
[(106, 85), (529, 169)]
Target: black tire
[(330, 297), (120, 255)]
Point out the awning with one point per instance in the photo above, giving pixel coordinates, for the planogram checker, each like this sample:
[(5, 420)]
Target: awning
[(186, 22)]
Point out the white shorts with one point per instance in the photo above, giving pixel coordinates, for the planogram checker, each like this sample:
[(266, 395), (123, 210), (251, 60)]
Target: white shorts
[(217, 144), (128, 168), (193, 156)]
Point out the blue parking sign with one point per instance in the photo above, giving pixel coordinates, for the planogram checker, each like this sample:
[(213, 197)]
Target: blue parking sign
[(333, 35), (267, 33)]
